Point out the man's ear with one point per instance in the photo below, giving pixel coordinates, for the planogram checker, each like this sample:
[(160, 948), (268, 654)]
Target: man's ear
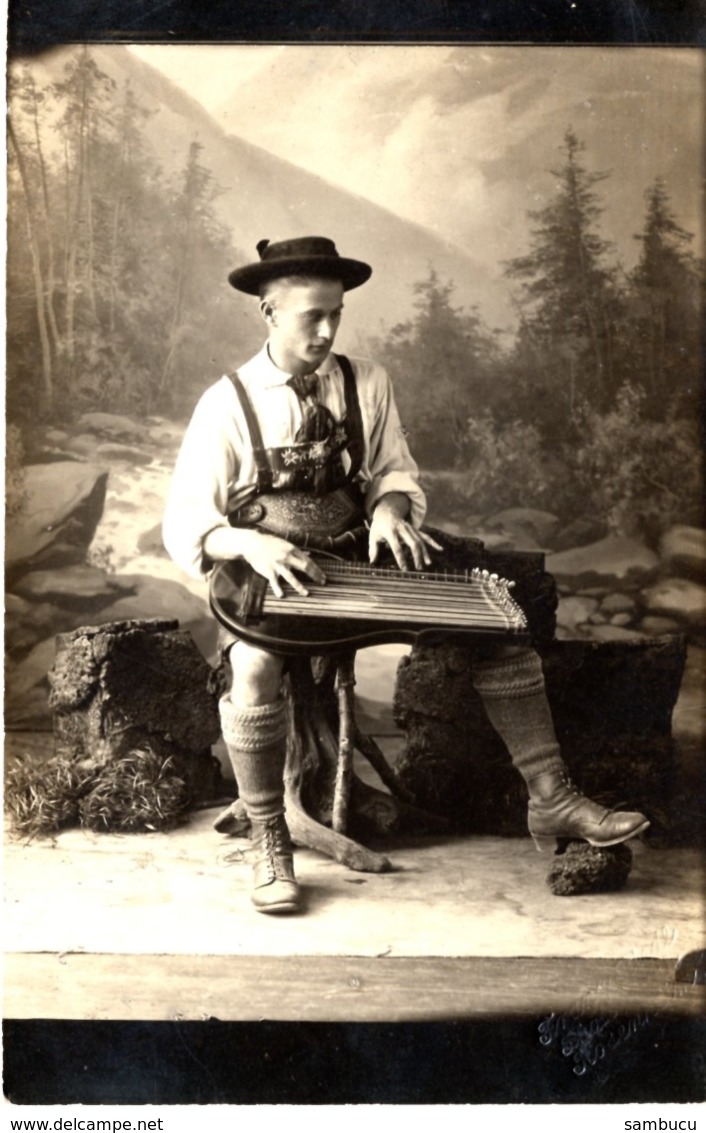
[(267, 310)]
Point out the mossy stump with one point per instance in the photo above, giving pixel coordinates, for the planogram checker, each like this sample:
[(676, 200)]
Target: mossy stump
[(134, 721), (612, 705)]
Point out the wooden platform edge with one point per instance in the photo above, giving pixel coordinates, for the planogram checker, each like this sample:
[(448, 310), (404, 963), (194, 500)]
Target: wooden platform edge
[(87, 986)]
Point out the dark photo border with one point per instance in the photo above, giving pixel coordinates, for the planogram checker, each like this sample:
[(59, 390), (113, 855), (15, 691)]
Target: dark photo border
[(35, 25), (491, 1061)]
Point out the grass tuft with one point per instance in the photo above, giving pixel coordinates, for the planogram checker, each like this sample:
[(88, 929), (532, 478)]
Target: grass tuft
[(137, 793)]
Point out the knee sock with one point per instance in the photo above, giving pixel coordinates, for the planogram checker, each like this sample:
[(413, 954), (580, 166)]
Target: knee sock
[(256, 741), (514, 696)]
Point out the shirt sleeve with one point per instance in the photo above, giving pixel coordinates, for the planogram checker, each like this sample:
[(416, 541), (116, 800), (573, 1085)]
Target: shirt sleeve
[(197, 501), (391, 467)]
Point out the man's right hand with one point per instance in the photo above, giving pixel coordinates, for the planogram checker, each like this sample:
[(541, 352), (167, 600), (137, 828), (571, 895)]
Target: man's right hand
[(274, 558)]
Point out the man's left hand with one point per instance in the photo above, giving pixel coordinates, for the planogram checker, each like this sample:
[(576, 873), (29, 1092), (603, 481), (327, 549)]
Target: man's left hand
[(390, 525)]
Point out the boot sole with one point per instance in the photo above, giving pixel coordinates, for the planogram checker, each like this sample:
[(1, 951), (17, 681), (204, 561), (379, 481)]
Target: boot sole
[(281, 908), (545, 842)]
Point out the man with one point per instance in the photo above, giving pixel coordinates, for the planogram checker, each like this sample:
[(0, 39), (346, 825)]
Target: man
[(298, 422)]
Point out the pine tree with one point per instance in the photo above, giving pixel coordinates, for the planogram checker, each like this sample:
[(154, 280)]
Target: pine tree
[(664, 312), (568, 301), (200, 255), (442, 363), (123, 221)]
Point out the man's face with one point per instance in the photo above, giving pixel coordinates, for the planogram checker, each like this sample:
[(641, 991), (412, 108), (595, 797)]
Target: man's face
[(303, 319)]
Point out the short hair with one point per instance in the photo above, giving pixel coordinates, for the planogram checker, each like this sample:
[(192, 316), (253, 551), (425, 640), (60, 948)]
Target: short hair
[(269, 288)]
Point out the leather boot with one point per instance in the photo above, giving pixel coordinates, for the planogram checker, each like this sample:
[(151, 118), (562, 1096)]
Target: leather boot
[(275, 888), (558, 810)]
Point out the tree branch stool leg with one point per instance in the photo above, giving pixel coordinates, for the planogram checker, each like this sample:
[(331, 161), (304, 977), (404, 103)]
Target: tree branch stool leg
[(312, 766), (367, 746), (319, 778), (345, 683)]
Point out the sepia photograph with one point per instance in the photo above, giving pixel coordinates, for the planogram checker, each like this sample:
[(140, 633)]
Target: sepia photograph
[(355, 549)]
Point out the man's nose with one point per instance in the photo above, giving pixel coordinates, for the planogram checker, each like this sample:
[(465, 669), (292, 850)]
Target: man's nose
[(326, 328)]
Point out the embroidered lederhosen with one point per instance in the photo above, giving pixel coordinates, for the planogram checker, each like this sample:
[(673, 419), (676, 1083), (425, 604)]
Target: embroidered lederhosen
[(332, 519)]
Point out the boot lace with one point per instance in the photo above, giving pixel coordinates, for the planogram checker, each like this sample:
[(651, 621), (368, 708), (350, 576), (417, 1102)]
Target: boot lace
[(608, 810), (275, 845)]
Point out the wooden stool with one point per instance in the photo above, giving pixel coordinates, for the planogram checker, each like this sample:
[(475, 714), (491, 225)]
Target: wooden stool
[(324, 798)]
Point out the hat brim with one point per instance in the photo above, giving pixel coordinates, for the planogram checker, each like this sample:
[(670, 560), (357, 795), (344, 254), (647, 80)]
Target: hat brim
[(351, 273)]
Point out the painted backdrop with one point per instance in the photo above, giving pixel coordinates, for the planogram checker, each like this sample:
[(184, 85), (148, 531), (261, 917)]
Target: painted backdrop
[(533, 216)]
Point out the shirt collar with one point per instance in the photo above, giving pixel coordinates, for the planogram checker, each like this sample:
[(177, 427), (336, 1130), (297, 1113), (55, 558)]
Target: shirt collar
[(263, 371)]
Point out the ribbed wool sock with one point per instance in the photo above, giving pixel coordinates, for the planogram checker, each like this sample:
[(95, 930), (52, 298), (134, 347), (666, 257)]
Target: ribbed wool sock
[(256, 742), (514, 696)]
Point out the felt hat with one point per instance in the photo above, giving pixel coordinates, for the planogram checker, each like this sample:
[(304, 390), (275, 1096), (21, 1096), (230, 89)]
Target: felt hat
[(307, 255)]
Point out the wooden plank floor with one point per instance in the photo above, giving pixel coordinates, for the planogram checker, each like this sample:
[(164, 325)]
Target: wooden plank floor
[(337, 988), (160, 927)]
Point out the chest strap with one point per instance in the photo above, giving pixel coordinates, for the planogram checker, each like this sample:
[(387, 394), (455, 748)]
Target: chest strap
[(354, 426), (354, 417), (262, 464)]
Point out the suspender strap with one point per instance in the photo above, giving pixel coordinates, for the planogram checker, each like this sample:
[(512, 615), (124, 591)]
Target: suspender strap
[(354, 418), (354, 421), (262, 464)]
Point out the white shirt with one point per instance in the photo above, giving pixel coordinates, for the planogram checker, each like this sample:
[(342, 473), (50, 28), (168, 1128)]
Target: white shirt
[(215, 469)]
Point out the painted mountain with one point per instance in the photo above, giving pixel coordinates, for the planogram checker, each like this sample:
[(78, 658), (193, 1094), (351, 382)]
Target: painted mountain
[(417, 156), (461, 139), (264, 195)]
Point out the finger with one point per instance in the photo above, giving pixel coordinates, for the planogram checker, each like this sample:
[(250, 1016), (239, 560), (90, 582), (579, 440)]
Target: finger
[(417, 548), (420, 554), (373, 547), (313, 571), (297, 560), (274, 583), (428, 539), (290, 577), (395, 545)]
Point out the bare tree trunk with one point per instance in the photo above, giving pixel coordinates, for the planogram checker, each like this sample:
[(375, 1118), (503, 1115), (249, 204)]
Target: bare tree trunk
[(90, 241), (74, 228), (71, 255), (39, 288), (46, 218), (120, 213), (112, 282)]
